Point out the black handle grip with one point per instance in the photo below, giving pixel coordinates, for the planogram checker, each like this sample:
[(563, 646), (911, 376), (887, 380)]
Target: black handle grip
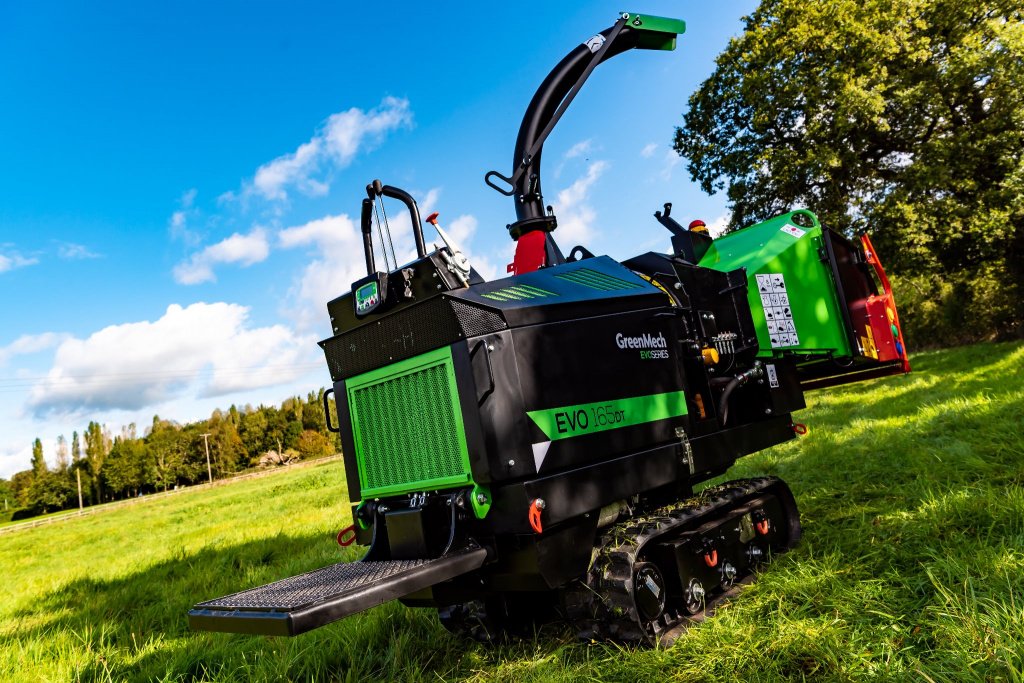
[(507, 193), (490, 370), (327, 412)]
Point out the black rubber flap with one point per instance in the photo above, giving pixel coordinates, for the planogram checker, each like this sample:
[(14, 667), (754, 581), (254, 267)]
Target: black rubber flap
[(302, 603)]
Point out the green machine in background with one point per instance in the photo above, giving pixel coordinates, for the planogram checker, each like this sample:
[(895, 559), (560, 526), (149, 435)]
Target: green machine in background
[(813, 294), (792, 292)]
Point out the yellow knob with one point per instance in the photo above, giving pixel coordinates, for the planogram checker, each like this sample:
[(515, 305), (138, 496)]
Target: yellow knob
[(710, 355)]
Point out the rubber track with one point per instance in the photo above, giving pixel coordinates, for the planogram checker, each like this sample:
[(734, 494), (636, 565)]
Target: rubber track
[(603, 607)]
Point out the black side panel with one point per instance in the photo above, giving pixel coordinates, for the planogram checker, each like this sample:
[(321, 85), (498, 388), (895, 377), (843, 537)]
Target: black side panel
[(305, 602), (585, 489), (716, 452), (348, 447), (409, 332)]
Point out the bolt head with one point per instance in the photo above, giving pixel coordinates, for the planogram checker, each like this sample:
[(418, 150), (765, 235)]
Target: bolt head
[(481, 498), (511, 463)]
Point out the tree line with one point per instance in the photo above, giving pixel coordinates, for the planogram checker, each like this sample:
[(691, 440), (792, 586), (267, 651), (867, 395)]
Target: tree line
[(165, 455)]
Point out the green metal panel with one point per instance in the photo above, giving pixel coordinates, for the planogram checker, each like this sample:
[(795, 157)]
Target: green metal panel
[(656, 33), (407, 427), (789, 285)]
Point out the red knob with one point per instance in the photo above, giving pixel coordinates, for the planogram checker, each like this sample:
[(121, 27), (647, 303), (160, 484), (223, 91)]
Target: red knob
[(432, 218)]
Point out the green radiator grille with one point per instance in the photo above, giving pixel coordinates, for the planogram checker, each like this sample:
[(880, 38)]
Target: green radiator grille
[(596, 280), (407, 426)]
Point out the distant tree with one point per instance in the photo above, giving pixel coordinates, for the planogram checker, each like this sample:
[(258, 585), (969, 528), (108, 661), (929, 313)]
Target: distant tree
[(128, 467), (312, 444), (62, 454), (96, 450), (313, 413), (253, 432), (49, 491), (902, 116), (38, 461), (76, 448), (6, 495), (277, 424), (292, 432), (227, 450), (21, 485), (169, 447), (80, 470)]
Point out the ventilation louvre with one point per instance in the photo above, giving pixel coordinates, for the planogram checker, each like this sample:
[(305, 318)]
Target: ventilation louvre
[(518, 293), (585, 277)]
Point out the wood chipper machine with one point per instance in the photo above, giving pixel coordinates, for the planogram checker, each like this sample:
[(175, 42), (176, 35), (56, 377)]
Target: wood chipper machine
[(527, 448)]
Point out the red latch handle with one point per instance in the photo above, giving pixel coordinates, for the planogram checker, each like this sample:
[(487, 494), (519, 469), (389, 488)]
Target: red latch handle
[(345, 542), (536, 507), (432, 218), (762, 527), (711, 559)]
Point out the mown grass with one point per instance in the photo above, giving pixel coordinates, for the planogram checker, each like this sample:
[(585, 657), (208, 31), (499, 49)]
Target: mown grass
[(911, 566)]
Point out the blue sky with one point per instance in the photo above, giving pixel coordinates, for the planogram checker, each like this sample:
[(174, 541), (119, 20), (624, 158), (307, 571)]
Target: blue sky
[(180, 179)]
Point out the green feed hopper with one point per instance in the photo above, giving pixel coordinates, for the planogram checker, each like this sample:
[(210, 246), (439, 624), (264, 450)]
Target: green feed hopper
[(793, 295)]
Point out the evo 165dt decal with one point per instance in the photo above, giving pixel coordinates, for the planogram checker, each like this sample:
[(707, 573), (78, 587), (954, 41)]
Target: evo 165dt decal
[(588, 418)]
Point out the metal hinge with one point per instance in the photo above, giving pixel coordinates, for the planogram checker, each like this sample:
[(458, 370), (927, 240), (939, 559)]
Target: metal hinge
[(684, 441)]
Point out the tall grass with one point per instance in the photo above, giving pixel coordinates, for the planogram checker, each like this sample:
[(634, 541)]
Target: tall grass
[(911, 566)]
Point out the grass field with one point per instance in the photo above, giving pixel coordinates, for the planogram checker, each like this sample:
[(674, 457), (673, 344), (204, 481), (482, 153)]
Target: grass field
[(911, 566)]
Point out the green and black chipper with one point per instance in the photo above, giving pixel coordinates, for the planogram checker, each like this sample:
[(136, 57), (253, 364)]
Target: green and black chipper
[(526, 449)]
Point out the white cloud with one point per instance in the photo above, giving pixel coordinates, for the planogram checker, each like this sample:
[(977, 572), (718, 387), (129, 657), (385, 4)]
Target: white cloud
[(341, 137), (13, 259), (179, 220), (337, 260), (14, 458), (462, 230), (670, 160), (579, 149), (28, 344), (69, 251), (716, 228), (205, 349), (648, 151), (242, 249), (575, 215)]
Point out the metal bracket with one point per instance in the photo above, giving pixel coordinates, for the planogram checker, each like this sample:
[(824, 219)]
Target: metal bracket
[(684, 442)]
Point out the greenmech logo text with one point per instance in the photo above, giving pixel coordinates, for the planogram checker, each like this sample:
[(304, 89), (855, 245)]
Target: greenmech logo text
[(589, 418), (651, 347)]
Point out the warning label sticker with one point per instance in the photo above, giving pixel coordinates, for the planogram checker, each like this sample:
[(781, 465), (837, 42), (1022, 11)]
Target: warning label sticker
[(777, 313), (773, 376), (790, 229)]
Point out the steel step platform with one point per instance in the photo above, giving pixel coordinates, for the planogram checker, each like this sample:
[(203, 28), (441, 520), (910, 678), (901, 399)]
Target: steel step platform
[(302, 603)]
